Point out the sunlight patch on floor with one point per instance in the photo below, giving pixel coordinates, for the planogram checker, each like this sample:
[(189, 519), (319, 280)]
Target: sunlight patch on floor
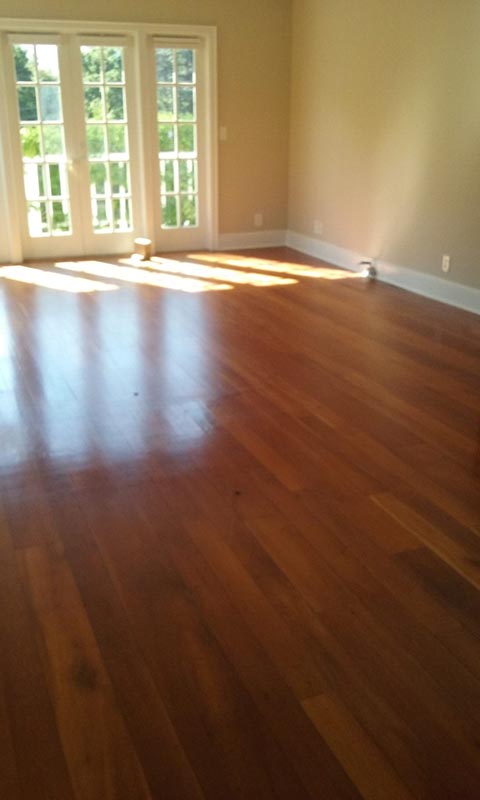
[(282, 267), (128, 274), (205, 272), (198, 272), (54, 280)]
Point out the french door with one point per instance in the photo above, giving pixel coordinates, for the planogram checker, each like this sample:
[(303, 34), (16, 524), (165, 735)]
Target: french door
[(108, 141), (74, 152)]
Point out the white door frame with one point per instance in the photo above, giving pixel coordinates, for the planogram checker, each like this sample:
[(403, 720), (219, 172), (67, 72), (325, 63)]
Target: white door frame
[(142, 34)]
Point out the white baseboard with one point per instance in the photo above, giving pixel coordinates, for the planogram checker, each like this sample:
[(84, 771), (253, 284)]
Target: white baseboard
[(325, 251), (250, 240), (455, 294), (445, 291)]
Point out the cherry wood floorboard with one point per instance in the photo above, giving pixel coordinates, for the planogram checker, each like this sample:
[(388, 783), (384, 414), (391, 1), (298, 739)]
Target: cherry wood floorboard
[(239, 533)]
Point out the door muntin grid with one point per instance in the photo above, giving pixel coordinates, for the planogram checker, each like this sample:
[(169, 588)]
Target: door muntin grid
[(106, 121), (177, 128), (42, 139)]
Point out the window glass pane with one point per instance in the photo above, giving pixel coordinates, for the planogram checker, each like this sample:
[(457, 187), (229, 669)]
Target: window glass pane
[(96, 143), (60, 216), (185, 66), (186, 104), (91, 64), (169, 212), (30, 140), (165, 108), (47, 63), (188, 211), (187, 170), (53, 140), (165, 65), (94, 103), (24, 59), (115, 102), (113, 64), (98, 178), (177, 141), (100, 215), (43, 146), (106, 102), (34, 180), (27, 103), (167, 176), (166, 139), (117, 140), (50, 103), (38, 219), (186, 138), (121, 213), (119, 178), (58, 181)]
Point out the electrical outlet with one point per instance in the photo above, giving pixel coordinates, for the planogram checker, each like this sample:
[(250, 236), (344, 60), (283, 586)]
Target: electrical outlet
[(446, 263), (318, 227), (258, 220)]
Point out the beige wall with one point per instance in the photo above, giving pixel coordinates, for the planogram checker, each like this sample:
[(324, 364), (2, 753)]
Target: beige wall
[(385, 129), (253, 78)]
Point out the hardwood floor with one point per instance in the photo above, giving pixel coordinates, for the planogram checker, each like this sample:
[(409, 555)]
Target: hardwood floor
[(239, 534)]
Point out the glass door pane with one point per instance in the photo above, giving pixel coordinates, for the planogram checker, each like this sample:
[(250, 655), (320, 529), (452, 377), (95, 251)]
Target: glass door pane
[(107, 137), (177, 129), (42, 140)]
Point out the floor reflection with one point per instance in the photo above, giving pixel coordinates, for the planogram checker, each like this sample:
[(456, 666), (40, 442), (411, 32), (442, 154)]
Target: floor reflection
[(100, 374), (92, 385)]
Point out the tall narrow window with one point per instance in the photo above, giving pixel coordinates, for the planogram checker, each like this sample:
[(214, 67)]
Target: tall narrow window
[(177, 136), (103, 72), (42, 139)]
